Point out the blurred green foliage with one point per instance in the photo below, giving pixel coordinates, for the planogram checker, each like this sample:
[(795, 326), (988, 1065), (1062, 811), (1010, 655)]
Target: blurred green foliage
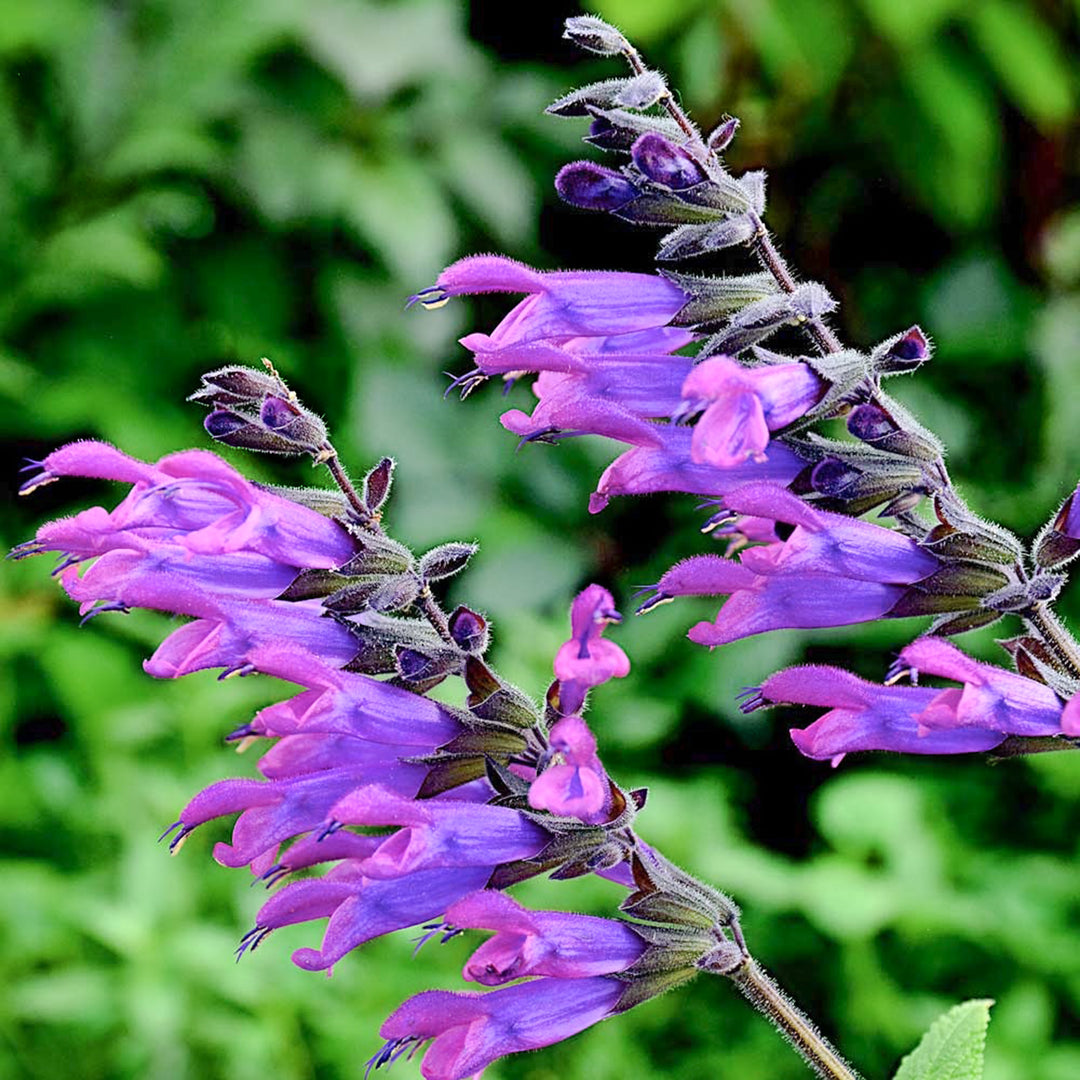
[(207, 181)]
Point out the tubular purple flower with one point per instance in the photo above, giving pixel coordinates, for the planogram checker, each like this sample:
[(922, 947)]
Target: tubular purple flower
[(549, 943), (437, 833), (865, 716), (742, 405), (587, 660), (472, 1029), (646, 470), (230, 635), (361, 908), (579, 787), (991, 698), (562, 304), (831, 571), (192, 499)]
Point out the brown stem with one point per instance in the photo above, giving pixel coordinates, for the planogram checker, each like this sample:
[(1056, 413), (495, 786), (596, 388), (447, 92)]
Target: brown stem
[(1056, 638), (764, 994), (774, 262), (329, 457)]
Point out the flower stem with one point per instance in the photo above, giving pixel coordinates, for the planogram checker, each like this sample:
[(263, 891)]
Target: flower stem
[(1057, 639), (767, 997)]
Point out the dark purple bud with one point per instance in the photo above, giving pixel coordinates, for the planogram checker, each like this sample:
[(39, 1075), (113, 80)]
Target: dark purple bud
[(235, 430), (723, 133), (592, 187), (414, 666), (377, 484), (589, 32), (277, 413), (220, 424), (912, 346), (903, 353), (665, 163), (293, 422), (1059, 541), (869, 423), (250, 383), (831, 476), (446, 560), (469, 630)]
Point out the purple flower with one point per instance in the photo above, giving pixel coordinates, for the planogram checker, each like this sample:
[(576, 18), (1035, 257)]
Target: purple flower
[(359, 908), (865, 716), (472, 1029), (445, 848), (578, 787), (345, 732), (587, 660), (561, 304), (550, 943), (192, 500), (991, 697), (645, 470), (990, 705), (831, 571), (742, 405)]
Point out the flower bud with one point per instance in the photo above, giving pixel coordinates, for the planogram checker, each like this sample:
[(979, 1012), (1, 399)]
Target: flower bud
[(665, 163), (1059, 541), (469, 630), (589, 32), (235, 430), (723, 133), (902, 353), (592, 187)]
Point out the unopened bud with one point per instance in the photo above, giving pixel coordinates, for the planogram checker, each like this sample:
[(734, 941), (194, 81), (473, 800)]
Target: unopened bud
[(469, 630), (1059, 541), (903, 353), (723, 133), (589, 32), (232, 429), (665, 163), (592, 187)]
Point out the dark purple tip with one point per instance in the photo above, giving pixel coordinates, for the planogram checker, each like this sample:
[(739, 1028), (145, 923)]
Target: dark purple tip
[(222, 423), (913, 346), (723, 133), (665, 163), (414, 666), (831, 476), (468, 629), (869, 423), (592, 187), (277, 413)]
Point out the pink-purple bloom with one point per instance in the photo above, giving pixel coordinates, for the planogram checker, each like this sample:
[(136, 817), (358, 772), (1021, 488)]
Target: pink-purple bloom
[(555, 944), (587, 659), (577, 786), (990, 705), (471, 1029), (832, 570), (741, 405)]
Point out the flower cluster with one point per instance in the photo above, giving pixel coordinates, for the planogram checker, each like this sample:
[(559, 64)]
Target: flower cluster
[(674, 366), (417, 810)]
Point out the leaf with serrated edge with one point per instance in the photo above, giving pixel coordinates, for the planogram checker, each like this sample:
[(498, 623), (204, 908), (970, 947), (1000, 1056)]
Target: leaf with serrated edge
[(953, 1047)]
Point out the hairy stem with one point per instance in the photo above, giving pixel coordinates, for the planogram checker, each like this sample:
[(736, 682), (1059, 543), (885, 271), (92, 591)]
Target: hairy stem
[(764, 994), (773, 261), (1056, 638)]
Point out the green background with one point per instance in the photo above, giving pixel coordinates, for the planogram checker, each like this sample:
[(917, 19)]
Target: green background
[(186, 184)]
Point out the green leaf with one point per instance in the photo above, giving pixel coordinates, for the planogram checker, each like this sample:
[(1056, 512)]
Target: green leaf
[(953, 1047)]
